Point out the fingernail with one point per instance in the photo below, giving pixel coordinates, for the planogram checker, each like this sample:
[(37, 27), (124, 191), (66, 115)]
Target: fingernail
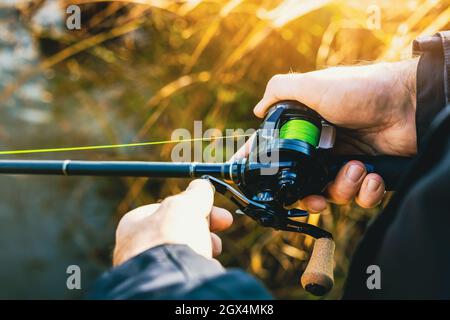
[(373, 185), (354, 173)]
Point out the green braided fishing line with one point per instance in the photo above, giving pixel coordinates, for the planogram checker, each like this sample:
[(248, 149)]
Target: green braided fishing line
[(300, 130)]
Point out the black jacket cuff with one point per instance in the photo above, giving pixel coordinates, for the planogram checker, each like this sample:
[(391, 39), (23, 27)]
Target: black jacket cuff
[(173, 271), (156, 273), (431, 79)]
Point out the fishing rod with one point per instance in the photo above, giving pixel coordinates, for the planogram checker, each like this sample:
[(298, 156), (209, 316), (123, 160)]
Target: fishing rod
[(288, 160)]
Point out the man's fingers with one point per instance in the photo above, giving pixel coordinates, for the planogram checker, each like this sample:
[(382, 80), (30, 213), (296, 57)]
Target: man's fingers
[(198, 199), (313, 204), (351, 183), (216, 244), (263, 105), (220, 220), (280, 87), (347, 183), (371, 192)]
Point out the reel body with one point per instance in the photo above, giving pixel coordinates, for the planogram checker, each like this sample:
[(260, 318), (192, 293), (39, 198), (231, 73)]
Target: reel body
[(286, 162), (283, 166)]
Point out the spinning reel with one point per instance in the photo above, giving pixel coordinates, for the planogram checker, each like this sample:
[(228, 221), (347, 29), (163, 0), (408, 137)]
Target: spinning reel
[(289, 159)]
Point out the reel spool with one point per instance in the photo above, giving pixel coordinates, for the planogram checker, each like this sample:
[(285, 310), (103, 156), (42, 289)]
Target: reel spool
[(301, 130)]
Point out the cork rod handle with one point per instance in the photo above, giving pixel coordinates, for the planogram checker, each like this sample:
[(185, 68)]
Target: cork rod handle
[(318, 277)]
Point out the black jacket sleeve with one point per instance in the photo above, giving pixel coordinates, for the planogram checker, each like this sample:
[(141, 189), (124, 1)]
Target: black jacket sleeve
[(175, 272), (409, 240), (431, 83)]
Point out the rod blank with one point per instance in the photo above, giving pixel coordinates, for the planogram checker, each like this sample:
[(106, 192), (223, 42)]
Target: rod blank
[(113, 168)]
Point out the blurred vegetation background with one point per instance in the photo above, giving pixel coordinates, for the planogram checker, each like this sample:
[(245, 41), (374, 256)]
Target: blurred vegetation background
[(137, 70)]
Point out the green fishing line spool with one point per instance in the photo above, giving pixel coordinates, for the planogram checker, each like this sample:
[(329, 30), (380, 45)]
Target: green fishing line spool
[(302, 130)]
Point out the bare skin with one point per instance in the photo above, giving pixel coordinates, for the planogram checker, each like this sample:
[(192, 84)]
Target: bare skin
[(188, 218), (374, 108)]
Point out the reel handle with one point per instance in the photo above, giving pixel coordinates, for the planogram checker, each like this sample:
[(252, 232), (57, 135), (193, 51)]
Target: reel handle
[(318, 277), (391, 168)]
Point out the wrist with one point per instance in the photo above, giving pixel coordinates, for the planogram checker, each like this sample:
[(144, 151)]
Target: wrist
[(405, 73), (397, 83), (399, 95), (126, 249), (124, 253)]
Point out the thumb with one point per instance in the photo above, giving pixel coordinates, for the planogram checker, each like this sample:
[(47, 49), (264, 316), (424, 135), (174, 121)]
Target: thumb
[(198, 198)]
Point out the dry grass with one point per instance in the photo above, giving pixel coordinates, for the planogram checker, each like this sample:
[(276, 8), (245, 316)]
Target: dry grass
[(162, 64)]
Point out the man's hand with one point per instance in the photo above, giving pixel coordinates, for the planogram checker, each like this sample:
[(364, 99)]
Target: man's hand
[(373, 107), (187, 218)]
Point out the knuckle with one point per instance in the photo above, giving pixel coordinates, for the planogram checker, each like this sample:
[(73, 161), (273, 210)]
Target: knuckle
[(168, 200), (275, 80), (122, 225), (342, 194), (173, 201), (127, 218)]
